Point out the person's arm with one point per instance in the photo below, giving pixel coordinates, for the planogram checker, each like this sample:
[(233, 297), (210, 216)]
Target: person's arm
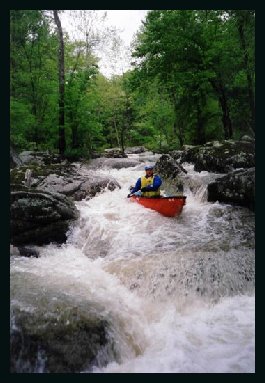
[(137, 186), (156, 184)]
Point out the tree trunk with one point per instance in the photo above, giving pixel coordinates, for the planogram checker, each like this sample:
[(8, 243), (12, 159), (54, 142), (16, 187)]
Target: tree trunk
[(178, 131), (227, 124), (74, 130), (62, 143), (177, 126), (200, 126), (251, 96)]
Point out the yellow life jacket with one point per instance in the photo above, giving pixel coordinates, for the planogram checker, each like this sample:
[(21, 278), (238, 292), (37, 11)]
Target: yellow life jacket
[(146, 182)]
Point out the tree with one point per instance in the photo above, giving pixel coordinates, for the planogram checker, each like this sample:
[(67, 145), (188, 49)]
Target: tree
[(61, 77), (196, 57), (245, 23), (171, 50), (32, 78)]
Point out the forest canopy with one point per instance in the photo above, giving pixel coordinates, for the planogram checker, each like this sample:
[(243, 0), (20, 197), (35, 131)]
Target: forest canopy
[(192, 80)]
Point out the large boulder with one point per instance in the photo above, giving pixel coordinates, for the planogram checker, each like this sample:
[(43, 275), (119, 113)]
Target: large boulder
[(114, 153), (237, 187), (54, 332), (15, 160), (234, 158), (112, 163), (168, 167), (41, 158), (219, 156), (78, 187), (61, 178), (135, 150), (39, 217), (45, 343)]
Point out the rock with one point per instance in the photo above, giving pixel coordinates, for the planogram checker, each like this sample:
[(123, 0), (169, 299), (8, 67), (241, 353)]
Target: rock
[(247, 138), (168, 167), (28, 252), (59, 184), (220, 156), (40, 158), (236, 158), (15, 160), (135, 150), (112, 163), (28, 177), (78, 187), (40, 217), (96, 184), (14, 251), (237, 187), (64, 339), (61, 178), (114, 153)]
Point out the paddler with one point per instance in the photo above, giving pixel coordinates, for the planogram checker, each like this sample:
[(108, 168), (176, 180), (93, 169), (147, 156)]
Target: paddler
[(149, 184)]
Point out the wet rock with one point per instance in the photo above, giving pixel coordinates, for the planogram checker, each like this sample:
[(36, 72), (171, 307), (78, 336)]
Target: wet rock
[(14, 251), (171, 172), (114, 153), (112, 163), (66, 339), (135, 150), (220, 156), (236, 158), (28, 252), (40, 217), (168, 167), (15, 160), (40, 172), (237, 187), (65, 179), (40, 158), (96, 184), (78, 187), (59, 184)]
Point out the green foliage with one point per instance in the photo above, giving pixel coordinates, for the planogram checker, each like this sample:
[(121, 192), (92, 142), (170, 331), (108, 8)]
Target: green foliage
[(192, 82), (196, 56), (22, 122), (76, 154)]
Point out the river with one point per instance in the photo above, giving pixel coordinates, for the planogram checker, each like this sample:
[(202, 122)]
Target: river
[(181, 290)]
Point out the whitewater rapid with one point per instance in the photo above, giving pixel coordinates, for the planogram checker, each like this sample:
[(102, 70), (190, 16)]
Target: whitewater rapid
[(179, 291)]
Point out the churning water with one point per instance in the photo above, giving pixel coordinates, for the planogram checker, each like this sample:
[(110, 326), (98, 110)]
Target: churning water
[(179, 292)]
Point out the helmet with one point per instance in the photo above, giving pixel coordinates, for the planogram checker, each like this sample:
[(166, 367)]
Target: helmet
[(149, 167)]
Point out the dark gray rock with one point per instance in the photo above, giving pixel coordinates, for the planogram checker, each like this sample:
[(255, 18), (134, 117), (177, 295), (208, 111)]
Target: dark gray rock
[(95, 184), (114, 153), (112, 163), (66, 339), (15, 160), (40, 217), (135, 150), (220, 156), (78, 187), (40, 158), (168, 167), (237, 187), (235, 158), (28, 252), (65, 179), (59, 184)]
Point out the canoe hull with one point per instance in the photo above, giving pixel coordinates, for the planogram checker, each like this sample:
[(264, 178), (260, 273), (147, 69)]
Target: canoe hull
[(167, 206)]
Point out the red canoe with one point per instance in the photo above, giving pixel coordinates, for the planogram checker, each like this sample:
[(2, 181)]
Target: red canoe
[(168, 206)]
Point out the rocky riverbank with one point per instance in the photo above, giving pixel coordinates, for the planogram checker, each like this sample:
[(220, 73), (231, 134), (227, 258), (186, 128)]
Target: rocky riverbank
[(233, 160), (43, 189)]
